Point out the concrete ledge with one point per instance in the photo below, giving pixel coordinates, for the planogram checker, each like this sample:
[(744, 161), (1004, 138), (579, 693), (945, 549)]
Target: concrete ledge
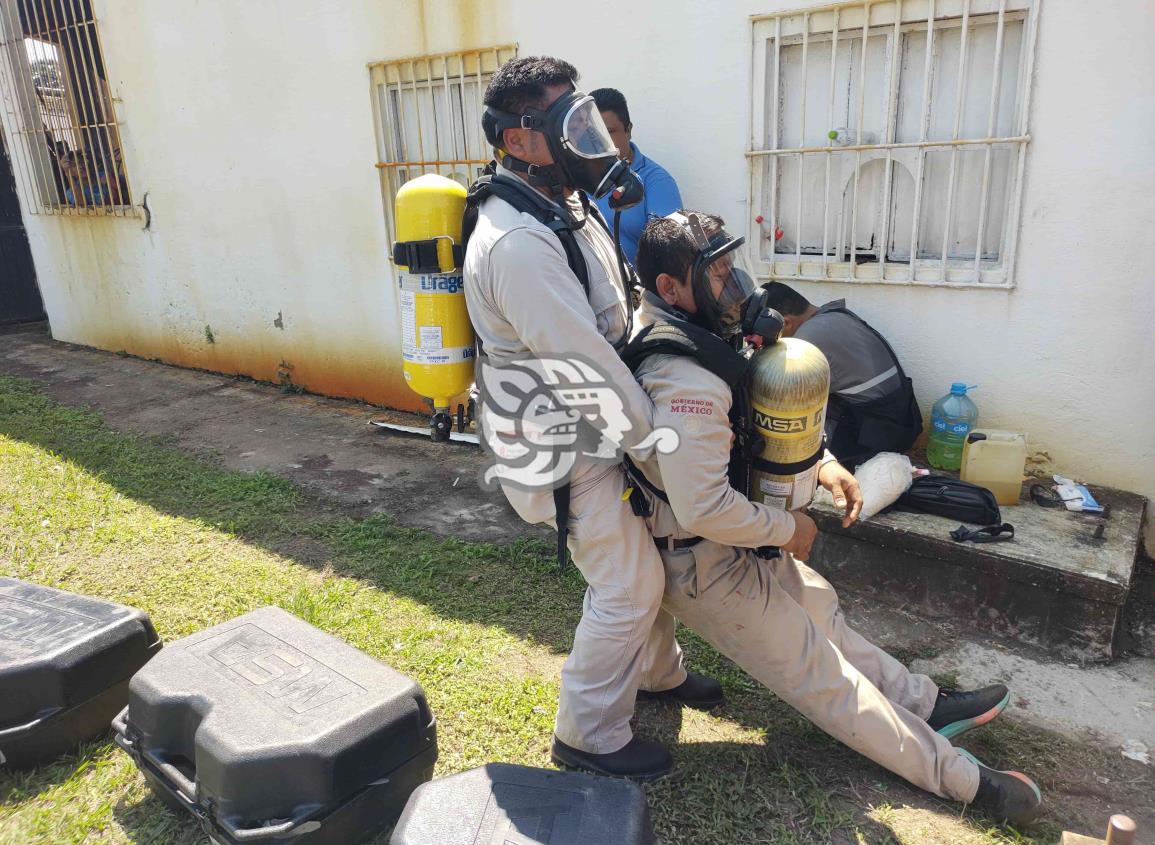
[(1054, 586)]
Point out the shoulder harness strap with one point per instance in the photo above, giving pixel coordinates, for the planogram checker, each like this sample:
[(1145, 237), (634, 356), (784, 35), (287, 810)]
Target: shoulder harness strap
[(490, 184), (677, 337)]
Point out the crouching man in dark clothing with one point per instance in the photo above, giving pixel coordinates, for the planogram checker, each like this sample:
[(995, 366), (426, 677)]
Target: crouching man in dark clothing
[(872, 406)]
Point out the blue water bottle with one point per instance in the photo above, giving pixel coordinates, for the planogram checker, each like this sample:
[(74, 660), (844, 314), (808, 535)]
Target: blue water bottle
[(951, 420)]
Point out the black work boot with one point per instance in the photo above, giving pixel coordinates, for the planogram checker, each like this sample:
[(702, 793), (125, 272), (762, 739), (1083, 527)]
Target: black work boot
[(957, 712), (1005, 796), (639, 759), (696, 691)]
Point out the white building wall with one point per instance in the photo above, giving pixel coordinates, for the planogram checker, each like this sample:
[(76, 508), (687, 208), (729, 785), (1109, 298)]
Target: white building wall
[(250, 127), (1067, 356)]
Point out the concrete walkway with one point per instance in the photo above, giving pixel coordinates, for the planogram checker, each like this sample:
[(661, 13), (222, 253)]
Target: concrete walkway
[(327, 447), (324, 445)]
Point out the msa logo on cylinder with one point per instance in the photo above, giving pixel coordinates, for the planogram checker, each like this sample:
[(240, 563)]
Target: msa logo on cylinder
[(786, 425)]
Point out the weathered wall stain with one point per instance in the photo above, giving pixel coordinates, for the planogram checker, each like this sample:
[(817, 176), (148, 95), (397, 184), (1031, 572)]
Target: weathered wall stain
[(365, 376)]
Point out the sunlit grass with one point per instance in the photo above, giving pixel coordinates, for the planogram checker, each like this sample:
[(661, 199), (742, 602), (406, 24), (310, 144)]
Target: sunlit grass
[(483, 628)]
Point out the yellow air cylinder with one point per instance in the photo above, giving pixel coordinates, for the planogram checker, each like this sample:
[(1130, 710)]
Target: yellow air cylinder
[(437, 340), (790, 382)]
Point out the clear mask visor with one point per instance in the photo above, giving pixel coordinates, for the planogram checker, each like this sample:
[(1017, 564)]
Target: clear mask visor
[(584, 132), (730, 283)]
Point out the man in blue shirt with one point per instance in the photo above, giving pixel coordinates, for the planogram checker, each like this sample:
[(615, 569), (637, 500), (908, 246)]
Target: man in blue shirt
[(662, 195)]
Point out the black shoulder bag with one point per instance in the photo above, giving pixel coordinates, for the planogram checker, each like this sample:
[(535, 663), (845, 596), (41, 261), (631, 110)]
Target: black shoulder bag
[(943, 495)]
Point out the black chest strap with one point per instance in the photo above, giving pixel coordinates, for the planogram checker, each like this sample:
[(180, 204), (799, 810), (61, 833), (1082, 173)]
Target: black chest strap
[(678, 337)]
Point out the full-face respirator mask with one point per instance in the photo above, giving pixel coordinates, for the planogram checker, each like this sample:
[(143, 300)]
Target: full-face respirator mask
[(584, 155)]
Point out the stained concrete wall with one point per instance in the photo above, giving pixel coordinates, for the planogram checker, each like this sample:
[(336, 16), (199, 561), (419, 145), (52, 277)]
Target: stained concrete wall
[(249, 125)]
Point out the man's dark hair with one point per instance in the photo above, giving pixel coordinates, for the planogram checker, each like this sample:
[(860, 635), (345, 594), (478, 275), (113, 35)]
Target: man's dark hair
[(522, 82), (611, 99), (666, 246), (785, 300)]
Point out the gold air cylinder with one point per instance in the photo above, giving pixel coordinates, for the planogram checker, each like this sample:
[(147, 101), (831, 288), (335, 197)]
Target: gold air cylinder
[(790, 382)]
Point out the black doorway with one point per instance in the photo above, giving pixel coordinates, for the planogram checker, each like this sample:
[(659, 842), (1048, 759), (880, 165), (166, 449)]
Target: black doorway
[(19, 297)]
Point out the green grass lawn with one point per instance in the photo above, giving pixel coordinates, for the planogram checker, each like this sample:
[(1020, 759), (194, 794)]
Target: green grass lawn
[(483, 628)]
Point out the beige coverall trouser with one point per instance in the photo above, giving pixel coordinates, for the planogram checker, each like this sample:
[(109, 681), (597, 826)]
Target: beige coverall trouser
[(778, 619), (523, 300)]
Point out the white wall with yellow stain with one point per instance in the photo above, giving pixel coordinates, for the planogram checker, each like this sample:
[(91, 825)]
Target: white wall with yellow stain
[(249, 125), (248, 128)]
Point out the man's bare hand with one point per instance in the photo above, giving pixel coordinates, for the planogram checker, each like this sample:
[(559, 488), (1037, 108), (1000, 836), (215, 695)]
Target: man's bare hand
[(803, 538), (844, 488)]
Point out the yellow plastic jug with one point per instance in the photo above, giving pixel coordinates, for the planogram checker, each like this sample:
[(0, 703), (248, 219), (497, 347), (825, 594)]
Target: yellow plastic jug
[(996, 460)]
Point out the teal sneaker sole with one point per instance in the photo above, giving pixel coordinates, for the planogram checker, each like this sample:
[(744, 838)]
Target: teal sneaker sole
[(963, 725)]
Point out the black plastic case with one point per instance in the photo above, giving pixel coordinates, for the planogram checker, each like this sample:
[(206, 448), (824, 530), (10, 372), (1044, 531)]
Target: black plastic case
[(501, 803), (65, 663), (267, 729)]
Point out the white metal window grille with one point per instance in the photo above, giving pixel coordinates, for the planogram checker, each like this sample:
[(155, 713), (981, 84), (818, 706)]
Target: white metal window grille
[(888, 140), (57, 114), (427, 112)]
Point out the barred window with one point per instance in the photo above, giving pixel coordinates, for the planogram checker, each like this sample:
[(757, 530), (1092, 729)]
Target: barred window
[(889, 140), (58, 114), (427, 114)]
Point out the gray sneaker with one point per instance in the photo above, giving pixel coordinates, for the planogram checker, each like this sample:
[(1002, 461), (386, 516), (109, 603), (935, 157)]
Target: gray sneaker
[(956, 711)]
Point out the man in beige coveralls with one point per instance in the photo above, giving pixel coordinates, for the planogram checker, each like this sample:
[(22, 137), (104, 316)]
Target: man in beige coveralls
[(525, 300), (777, 618)]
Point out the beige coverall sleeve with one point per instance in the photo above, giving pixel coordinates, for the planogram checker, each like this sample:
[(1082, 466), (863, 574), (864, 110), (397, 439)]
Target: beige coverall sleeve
[(535, 290), (696, 404)]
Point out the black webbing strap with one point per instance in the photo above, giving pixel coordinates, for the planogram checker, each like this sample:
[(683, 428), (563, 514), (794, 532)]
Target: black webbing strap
[(678, 337), (561, 517), (776, 468), (638, 477), (988, 534), (421, 256), (573, 252)]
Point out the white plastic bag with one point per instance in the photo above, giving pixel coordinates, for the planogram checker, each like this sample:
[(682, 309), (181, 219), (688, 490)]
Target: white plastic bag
[(882, 480)]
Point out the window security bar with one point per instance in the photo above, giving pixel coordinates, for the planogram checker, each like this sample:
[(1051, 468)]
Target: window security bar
[(916, 176), (427, 115), (58, 113)]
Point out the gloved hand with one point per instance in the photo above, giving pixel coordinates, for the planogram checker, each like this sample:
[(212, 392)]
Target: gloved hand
[(803, 537), (844, 488)]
